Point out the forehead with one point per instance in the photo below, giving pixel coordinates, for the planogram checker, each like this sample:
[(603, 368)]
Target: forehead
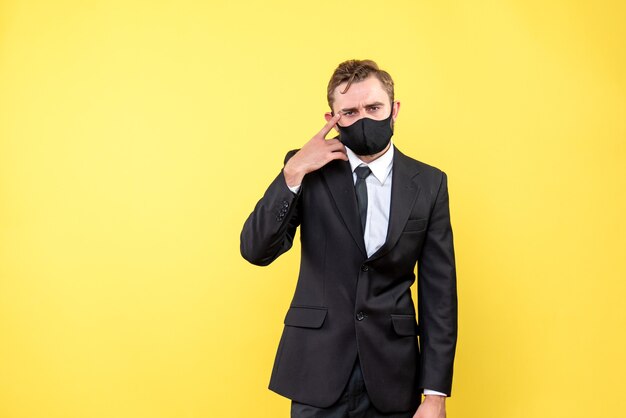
[(366, 91)]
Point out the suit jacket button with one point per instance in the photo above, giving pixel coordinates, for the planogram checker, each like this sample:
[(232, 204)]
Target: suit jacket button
[(365, 267), (360, 316)]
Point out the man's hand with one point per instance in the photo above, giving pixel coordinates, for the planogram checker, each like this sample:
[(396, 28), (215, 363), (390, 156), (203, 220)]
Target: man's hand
[(433, 406), (316, 153)]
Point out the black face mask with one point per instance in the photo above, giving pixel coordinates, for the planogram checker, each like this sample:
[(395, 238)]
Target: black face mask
[(367, 136)]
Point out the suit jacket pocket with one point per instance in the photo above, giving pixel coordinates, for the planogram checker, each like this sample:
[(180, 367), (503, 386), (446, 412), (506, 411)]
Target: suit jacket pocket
[(415, 225), (305, 316), (404, 324)]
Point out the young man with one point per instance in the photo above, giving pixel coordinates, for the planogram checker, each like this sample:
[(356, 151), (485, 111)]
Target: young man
[(367, 215)]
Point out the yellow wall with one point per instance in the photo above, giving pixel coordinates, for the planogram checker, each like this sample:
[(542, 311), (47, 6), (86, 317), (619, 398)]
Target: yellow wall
[(136, 137)]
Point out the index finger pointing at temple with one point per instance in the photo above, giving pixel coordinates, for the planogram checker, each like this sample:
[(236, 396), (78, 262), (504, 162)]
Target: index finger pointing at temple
[(329, 125)]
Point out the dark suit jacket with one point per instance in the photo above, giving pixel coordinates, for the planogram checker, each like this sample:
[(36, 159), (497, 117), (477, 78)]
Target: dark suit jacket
[(347, 303)]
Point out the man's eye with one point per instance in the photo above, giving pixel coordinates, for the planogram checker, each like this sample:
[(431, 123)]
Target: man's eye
[(348, 113), (374, 108)]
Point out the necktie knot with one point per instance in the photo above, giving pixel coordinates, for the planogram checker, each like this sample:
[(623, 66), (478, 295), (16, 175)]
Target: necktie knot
[(362, 172)]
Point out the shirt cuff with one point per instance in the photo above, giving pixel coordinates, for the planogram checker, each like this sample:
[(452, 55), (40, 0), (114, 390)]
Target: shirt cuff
[(295, 189), (433, 392)]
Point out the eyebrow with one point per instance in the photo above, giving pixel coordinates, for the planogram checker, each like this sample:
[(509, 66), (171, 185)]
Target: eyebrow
[(367, 105)]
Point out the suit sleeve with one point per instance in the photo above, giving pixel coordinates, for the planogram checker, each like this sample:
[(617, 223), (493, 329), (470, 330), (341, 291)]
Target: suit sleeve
[(270, 228), (437, 297)]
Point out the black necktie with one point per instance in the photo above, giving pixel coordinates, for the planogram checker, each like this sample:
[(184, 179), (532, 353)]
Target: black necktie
[(361, 192)]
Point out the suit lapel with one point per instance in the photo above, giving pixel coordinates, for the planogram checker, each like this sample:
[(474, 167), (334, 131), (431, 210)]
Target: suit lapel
[(404, 192), (339, 180)]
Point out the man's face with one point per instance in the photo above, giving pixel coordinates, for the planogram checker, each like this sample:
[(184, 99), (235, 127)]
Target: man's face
[(364, 99)]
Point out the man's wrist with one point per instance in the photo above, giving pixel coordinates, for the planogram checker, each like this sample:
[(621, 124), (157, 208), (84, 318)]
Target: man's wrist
[(292, 178), (434, 398)]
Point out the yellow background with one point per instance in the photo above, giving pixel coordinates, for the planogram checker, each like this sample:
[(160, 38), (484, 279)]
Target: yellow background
[(136, 137)]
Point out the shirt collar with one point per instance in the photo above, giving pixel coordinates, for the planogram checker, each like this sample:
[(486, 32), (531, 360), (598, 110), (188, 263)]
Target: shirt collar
[(381, 166)]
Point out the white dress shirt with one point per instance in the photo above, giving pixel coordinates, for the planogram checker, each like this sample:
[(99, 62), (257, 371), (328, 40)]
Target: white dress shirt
[(378, 204)]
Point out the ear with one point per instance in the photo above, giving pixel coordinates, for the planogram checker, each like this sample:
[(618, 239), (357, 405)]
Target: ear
[(395, 109)]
